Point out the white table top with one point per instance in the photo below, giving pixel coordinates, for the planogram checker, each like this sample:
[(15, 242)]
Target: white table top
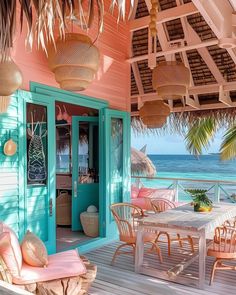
[(184, 217)]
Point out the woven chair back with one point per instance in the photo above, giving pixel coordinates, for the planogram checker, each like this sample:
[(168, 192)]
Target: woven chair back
[(126, 216), (161, 205), (225, 241)]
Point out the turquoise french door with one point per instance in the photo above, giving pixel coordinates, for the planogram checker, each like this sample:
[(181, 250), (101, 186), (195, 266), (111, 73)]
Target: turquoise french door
[(117, 163), (39, 167), (85, 160)]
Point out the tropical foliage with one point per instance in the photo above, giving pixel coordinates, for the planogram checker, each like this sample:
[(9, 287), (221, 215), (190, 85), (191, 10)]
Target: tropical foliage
[(200, 198), (45, 17), (201, 134)]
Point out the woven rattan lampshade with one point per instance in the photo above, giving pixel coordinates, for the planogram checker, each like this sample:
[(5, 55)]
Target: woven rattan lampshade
[(154, 113), (171, 79), (10, 80), (74, 62)]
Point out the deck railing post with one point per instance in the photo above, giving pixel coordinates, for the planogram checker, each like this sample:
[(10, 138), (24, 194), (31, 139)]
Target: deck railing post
[(176, 186), (217, 193)]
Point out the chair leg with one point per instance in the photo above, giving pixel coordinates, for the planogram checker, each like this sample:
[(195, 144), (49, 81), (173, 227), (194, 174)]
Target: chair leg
[(180, 242), (117, 252), (190, 239), (134, 247), (168, 240), (158, 250), (213, 271)]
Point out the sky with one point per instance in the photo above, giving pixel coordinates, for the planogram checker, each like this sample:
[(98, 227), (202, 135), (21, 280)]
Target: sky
[(170, 144)]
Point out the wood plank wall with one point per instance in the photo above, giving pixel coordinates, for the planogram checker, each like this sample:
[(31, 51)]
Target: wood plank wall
[(9, 168)]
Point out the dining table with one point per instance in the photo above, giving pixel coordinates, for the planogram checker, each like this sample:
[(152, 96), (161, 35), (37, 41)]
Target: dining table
[(184, 221)]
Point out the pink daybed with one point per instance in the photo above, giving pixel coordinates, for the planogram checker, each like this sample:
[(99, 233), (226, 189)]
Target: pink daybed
[(139, 195)]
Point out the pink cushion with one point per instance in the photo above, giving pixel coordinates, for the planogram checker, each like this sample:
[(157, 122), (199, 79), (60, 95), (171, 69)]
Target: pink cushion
[(165, 193), (10, 251), (140, 202), (134, 192), (146, 192), (60, 265)]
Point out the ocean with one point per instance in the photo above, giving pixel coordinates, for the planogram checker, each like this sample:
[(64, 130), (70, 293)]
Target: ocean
[(206, 167)]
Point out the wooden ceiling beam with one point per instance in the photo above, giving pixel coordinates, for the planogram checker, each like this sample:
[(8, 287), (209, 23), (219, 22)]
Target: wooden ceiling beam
[(134, 65), (217, 14), (212, 106), (164, 16), (175, 49), (137, 78), (204, 89)]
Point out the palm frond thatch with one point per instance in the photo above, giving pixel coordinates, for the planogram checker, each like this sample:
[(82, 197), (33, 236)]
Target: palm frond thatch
[(44, 16), (180, 122), (228, 146), (7, 26), (141, 164)]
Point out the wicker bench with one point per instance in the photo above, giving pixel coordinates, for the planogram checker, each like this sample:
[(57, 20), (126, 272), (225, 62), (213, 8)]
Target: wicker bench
[(66, 286)]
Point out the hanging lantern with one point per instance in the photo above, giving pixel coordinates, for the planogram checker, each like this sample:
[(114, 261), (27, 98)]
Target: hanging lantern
[(74, 62), (171, 79), (10, 80), (154, 113)]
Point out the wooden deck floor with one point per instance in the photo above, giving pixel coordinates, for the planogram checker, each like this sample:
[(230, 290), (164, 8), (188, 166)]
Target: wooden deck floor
[(121, 279)]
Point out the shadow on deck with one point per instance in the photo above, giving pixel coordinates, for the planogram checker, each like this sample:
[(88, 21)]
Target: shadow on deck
[(121, 279)]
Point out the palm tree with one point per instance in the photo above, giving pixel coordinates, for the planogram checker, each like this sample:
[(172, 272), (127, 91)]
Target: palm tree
[(201, 134)]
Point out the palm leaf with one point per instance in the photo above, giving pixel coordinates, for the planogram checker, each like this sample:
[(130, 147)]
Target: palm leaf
[(228, 146), (200, 135)]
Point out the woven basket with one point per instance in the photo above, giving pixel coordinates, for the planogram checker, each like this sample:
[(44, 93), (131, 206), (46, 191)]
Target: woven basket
[(90, 224), (63, 210), (171, 79), (10, 77), (154, 113), (74, 62)]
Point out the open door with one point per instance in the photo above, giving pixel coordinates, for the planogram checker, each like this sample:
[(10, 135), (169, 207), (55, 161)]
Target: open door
[(39, 167), (85, 166), (117, 163)]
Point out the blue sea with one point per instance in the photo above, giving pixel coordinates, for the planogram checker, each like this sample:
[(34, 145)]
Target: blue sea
[(204, 168)]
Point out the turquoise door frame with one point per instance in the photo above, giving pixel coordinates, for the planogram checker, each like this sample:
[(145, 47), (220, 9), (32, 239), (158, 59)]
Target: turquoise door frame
[(107, 225), (37, 209), (117, 189), (82, 194)]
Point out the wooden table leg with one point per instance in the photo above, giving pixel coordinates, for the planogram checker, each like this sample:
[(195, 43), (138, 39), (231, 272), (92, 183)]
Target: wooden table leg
[(202, 259), (139, 251)]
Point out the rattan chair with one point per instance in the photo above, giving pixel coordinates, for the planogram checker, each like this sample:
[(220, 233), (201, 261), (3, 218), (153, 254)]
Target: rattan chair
[(223, 248), (161, 205), (126, 216)]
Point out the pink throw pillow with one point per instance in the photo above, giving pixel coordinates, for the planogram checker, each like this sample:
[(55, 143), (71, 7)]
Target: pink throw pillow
[(146, 192), (34, 251), (9, 255), (134, 192), (14, 244)]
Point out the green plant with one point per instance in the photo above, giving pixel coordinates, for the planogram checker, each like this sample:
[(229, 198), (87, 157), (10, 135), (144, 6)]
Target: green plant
[(200, 198), (200, 135)]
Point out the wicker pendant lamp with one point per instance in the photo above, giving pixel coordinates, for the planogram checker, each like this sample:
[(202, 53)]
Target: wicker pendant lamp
[(171, 79), (154, 113), (74, 62), (10, 80)]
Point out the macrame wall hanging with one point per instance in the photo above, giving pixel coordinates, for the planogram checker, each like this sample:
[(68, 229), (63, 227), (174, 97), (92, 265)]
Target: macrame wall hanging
[(37, 171)]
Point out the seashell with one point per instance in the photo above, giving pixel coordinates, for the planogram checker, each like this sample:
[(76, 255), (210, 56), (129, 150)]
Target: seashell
[(92, 209)]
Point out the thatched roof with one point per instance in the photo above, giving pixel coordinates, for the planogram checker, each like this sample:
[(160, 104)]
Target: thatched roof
[(209, 66), (179, 122), (141, 164)]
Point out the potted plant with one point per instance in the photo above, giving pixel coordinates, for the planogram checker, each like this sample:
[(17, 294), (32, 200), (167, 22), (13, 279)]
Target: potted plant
[(201, 202)]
